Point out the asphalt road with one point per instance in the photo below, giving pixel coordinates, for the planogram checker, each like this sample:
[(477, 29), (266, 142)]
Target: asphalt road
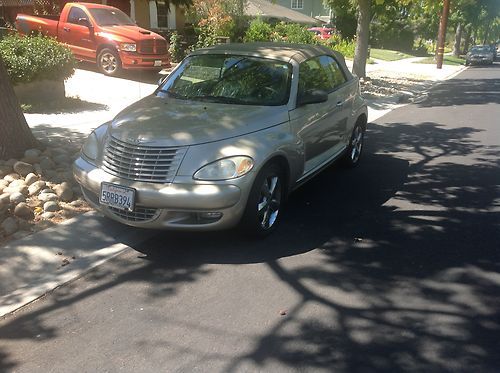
[(392, 266)]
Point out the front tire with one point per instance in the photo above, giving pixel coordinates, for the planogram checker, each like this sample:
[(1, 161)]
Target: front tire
[(355, 148), (109, 62), (262, 213)]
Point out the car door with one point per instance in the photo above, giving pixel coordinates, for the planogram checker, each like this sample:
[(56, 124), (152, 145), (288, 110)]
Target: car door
[(79, 37), (321, 127)]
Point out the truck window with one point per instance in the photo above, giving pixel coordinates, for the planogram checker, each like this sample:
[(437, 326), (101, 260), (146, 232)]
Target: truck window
[(75, 14)]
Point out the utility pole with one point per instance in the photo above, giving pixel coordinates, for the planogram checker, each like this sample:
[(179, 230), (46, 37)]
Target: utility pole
[(442, 33)]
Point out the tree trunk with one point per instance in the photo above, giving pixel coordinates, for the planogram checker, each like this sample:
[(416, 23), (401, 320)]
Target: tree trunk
[(362, 38), (467, 38), (458, 40), (15, 135)]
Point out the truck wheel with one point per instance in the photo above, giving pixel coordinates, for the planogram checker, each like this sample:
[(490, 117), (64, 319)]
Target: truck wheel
[(108, 62)]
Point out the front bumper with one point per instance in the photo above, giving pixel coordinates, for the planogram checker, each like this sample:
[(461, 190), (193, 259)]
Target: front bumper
[(480, 60), (133, 60), (179, 206)]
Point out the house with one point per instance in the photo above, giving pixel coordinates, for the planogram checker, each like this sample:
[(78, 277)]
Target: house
[(312, 8), (266, 10)]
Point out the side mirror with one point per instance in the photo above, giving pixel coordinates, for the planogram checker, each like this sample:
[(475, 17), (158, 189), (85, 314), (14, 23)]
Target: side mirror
[(84, 22), (314, 96)]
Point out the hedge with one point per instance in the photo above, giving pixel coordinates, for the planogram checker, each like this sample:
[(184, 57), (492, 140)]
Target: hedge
[(32, 58)]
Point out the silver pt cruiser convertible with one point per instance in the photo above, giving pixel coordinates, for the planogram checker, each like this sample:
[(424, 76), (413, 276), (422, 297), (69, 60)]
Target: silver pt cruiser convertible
[(225, 138)]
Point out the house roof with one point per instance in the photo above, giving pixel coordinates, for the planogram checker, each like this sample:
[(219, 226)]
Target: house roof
[(266, 9), (13, 3)]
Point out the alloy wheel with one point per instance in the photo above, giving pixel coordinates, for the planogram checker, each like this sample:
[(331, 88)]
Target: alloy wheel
[(269, 202)]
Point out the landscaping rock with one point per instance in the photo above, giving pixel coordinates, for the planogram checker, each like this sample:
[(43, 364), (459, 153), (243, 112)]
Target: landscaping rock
[(51, 206), (45, 197), (11, 177), (38, 169), (4, 199), (30, 179), (9, 226), (22, 188), (47, 164), (17, 183), (48, 215), (5, 170), (22, 210), (36, 187), (62, 159), (23, 168), (16, 198), (32, 155), (64, 191), (11, 162)]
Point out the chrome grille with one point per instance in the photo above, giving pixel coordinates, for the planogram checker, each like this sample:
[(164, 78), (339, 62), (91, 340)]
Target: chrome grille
[(153, 46), (139, 213), (142, 163)]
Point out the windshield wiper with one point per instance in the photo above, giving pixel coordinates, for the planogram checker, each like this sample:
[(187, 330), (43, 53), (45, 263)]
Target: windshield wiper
[(221, 99), (173, 94)]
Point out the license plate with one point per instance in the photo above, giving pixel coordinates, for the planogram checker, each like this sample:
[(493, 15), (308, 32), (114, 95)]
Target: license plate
[(117, 196), (157, 63)]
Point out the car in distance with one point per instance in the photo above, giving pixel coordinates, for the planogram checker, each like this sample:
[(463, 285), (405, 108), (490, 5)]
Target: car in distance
[(101, 34), (225, 138), (322, 33), (479, 54)]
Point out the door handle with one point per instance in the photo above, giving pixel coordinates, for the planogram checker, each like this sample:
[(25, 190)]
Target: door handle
[(67, 29), (340, 103)]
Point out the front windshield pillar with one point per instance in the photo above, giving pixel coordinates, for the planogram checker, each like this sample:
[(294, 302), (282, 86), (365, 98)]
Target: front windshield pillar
[(132, 10)]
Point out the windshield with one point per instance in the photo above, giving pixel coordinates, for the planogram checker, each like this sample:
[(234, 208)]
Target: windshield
[(484, 49), (110, 17), (230, 79)]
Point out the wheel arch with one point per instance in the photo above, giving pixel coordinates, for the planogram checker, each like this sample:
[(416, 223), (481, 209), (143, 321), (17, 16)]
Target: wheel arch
[(282, 161)]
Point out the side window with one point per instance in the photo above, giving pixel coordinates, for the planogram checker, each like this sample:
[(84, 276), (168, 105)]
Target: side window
[(322, 73), (75, 14), (313, 76), (335, 74)]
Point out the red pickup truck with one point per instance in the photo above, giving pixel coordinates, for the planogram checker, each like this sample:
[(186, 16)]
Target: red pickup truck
[(101, 34)]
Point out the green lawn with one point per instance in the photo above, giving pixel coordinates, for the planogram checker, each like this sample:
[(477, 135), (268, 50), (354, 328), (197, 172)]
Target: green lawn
[(448, 60), (388, 55)]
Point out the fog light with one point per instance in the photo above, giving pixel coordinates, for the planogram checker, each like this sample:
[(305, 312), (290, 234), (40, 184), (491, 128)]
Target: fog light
[(210, 215)]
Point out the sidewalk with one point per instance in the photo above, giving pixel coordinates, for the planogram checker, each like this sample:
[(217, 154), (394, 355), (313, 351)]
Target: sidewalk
[(34, 265)]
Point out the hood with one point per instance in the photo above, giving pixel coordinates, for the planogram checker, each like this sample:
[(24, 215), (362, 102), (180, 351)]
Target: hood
[(160, 121), (132, 32)]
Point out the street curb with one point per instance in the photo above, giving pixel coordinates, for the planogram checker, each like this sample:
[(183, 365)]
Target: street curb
[(36, 265)]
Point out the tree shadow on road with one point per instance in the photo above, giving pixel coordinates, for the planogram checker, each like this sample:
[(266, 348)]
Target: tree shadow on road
[(409, 237)]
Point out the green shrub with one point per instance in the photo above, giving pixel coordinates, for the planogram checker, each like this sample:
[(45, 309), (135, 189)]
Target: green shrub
[(258, 31), (175, 49), (293, 33), (34, 58), (344, 46)]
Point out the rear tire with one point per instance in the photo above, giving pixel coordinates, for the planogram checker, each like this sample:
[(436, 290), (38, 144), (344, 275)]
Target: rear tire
[(109, 62), (355, 148), (262, 213)]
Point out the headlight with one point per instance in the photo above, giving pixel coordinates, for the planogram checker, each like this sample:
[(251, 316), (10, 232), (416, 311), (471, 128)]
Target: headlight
[(129, 47), (224, 169), (90, 148)]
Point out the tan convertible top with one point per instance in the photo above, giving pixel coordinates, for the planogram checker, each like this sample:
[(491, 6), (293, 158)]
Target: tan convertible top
[(278, 51)]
